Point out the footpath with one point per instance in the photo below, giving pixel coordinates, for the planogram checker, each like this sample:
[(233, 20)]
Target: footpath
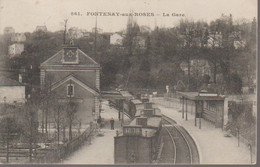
[(101, 149)]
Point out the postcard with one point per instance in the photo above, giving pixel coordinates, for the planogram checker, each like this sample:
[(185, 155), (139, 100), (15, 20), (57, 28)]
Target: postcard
[(123, 82)]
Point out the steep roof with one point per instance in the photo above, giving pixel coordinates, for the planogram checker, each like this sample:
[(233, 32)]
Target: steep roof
[(4, 81), (84, 60)]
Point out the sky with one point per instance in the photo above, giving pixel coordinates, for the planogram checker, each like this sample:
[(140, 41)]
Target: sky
[(25, 15)]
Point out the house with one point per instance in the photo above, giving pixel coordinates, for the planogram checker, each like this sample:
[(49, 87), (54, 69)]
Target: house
[(86, 34), (139, 42), (198, 68), (214, 40), (18, 37), (116, 39), (99, 30), (235, 35), (196, 41), (11, 91), (73, 76), (9, 30), (239, 44), (145, 29), (75, 33), (15, 49), (41, 28)]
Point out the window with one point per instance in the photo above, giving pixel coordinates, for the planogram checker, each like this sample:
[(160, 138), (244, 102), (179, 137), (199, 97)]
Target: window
[(70, 90)]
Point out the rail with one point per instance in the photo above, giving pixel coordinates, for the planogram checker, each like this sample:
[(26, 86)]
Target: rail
[(191, 161), (160, 153), (174, 145), (194, 143), (172, 122)]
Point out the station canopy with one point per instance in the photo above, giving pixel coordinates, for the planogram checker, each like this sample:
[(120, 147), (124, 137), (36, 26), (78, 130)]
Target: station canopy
[(116, 94), (201, 96)]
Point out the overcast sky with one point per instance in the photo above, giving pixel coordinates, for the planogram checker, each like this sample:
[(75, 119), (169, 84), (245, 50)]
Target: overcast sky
[(25, 15)]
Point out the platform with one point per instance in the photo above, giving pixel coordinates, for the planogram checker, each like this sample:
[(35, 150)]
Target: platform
[(101, 149), (213, 146)]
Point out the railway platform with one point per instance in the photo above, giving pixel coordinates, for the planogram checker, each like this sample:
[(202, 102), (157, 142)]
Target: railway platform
[(213, 146), (100, 151)]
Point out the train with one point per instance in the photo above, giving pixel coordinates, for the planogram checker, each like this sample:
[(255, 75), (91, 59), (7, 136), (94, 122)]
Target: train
[(130, 106), (139, 141)]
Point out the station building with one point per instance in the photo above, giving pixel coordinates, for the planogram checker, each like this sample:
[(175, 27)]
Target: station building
[(73, 76)]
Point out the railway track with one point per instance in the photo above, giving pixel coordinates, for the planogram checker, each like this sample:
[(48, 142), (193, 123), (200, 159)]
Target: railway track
[(183, 150)]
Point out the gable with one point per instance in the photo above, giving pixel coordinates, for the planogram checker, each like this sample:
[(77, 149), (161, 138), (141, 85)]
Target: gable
[(69, 78), (83, 59)]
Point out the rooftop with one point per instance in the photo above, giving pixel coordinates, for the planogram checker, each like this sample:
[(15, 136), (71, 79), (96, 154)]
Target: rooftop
[(136, 101), (201, 95), (4, 81)]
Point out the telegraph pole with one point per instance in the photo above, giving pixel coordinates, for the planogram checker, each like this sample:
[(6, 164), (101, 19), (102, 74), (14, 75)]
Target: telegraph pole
[(70, 113), (95, 47), (58, 126), (65, 31), (7, 141)]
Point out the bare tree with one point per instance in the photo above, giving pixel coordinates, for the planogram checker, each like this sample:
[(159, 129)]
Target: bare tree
[(30, 126), (46, 96), (59, 117), (9, 131), (71, 110)]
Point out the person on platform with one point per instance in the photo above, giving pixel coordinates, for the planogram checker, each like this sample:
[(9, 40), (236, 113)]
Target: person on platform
[(99, 121), (112, 121)]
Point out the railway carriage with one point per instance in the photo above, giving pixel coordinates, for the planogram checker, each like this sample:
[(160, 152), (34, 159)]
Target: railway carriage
[(135, 105), (139, 141)]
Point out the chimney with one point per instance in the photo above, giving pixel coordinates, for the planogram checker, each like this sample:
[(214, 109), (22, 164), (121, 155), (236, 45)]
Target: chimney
[(20, 78)]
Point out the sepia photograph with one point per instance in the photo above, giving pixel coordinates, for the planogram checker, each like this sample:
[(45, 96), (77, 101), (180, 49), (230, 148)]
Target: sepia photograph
[(128, 82)]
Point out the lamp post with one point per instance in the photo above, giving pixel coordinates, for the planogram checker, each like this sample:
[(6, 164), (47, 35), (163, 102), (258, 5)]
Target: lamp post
[(182, 107), (237, 136), (250, 148), (5, 103), (186, 110)]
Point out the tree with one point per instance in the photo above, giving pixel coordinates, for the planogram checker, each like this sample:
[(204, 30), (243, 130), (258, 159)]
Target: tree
[(235, 84), (10, 130), (59, 117), (30, 126), (71, 111), (132, 31), (47, 97)]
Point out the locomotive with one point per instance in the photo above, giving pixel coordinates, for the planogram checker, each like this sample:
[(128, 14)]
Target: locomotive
[(140, 139)]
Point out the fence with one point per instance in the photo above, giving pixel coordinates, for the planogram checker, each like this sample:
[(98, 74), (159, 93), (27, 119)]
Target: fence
[(242, 122), (55, 155), (167, 102)]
